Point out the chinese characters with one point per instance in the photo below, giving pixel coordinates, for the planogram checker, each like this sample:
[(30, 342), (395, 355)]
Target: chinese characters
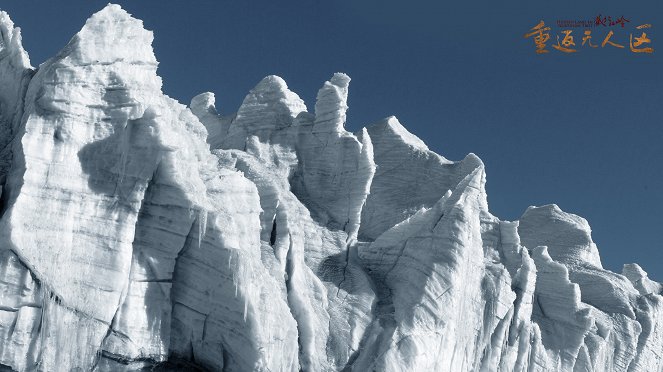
[(638, 41), (541, 36)]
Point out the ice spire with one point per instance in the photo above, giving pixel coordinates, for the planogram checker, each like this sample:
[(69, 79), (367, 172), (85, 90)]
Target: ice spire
[(332, 104), (268, 107), (112, 35)]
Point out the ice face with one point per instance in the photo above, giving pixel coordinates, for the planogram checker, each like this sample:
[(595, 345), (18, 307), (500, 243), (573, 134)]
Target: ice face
[(135, 231), (15, 73)]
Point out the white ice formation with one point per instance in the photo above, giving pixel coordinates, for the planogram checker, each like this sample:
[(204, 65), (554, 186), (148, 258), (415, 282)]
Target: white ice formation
[(138, 232)]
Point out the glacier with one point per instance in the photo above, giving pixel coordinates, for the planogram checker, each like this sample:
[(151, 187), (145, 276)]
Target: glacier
[(137, 232)]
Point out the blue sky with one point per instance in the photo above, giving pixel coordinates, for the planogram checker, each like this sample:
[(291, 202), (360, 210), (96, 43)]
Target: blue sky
[(581, 130)]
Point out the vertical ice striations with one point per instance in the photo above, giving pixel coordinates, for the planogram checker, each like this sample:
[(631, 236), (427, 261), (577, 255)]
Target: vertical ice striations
[(269, 107), (20, 314), (336, 167), (558, 311), (72, 208), (611, 341), (20, 294), (567, 236), (327, 291), (435, 283), (228, 312), (126, 243), (15, 73), (108, 181), (649, 313), (409, 176), (521, 338), (15, 69)]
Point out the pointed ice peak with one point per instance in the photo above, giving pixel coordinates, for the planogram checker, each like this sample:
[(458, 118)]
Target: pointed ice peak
[(471, 161), (332, 104), (272, 93), (271, 83), (6, 25), (111, 10), (476, 180), (424, 219), (634, 272), (640, 280), (15, 73), (11, 43), (392, 126), (388, 130), (112, 35), (567, 235), (554, 212), (109, 18), (270, 104)]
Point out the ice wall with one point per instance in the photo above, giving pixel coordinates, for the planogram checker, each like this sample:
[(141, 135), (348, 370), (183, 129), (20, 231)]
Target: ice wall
[(136, 232)]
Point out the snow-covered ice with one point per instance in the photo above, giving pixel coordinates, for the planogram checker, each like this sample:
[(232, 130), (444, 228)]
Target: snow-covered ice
[(136, 231)]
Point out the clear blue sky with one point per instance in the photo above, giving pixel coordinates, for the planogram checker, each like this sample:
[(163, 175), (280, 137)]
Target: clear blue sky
[(584, 131)]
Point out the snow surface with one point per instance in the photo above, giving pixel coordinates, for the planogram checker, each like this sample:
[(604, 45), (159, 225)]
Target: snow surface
[(136, 231)]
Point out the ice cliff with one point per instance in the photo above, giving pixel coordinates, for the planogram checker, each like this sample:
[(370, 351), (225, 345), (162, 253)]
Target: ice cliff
[(138, 232)]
